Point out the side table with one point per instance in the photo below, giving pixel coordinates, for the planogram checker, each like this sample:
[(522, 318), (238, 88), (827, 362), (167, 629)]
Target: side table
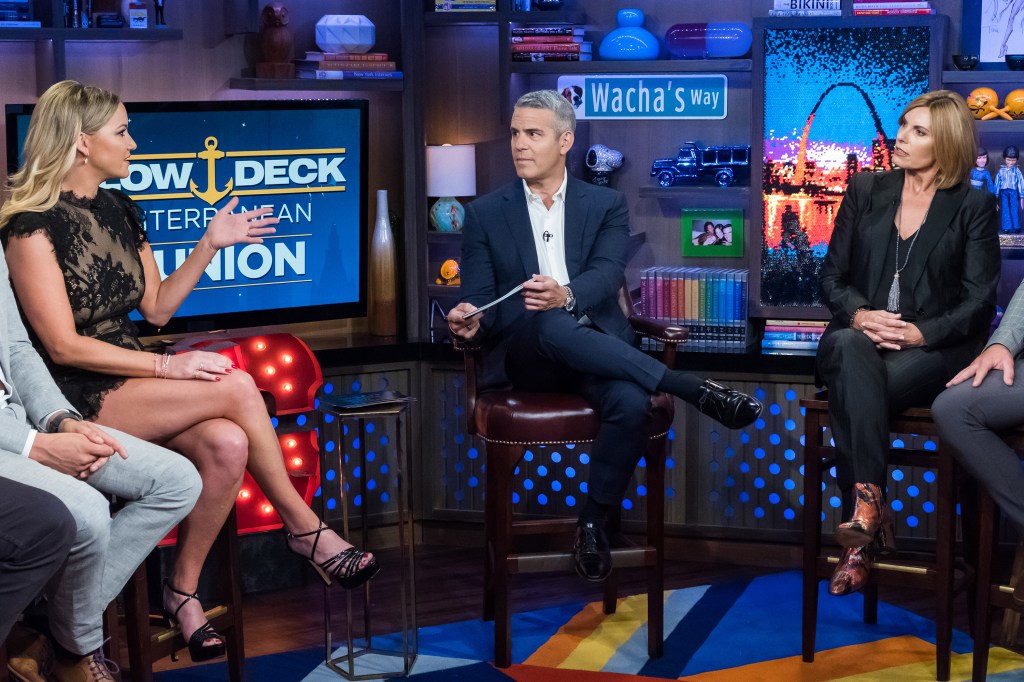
[(334, 413)]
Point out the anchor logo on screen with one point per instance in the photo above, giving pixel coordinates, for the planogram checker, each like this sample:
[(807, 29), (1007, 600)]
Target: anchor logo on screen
[(211, 194)]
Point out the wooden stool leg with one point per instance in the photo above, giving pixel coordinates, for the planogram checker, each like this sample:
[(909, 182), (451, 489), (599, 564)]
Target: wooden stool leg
[(656, 539), (983, 581), (3, 662), (611, 584), (490, 521), (232, 576), (499, 484), (1011, 618), (136, 611), (945, 538), (813, 475)]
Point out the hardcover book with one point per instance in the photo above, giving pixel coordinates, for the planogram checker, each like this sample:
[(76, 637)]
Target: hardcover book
[(326, 74)]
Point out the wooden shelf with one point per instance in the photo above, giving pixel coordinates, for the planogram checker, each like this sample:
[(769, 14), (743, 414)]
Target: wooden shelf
[(983, 77), (436, 237), (648, 66), (1001, 126), (691, 192), (488, 18), (354, 84), (74, 35)]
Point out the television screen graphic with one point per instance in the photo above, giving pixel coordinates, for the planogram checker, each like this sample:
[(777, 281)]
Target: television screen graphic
[(306, 160)]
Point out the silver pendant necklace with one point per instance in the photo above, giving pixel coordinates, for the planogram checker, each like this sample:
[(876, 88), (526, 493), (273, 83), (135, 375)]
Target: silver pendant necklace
[(892, 304)]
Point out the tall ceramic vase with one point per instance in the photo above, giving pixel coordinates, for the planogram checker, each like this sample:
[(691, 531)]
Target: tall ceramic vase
[(383, 273)]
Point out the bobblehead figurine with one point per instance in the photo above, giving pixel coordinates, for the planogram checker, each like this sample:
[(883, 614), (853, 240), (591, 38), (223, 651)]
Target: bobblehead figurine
[(1010, 188), (980, 178)]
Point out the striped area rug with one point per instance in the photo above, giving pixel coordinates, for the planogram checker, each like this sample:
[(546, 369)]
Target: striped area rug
[(730, 632)]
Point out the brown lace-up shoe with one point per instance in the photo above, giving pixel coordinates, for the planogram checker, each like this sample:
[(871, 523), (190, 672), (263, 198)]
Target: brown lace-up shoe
[(94, 667), (30, 656)]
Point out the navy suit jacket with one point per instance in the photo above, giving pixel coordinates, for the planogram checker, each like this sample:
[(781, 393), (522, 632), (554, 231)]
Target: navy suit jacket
[(953, 272), (499, 253)]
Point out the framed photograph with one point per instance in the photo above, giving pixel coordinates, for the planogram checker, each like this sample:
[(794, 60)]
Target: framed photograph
[(827, 104), (712, 232), (991, 29)]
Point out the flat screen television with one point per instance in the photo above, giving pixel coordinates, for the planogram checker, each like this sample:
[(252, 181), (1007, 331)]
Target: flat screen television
[(306, 159)]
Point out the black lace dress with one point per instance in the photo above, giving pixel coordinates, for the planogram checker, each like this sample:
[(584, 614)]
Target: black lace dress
[(97, 244)]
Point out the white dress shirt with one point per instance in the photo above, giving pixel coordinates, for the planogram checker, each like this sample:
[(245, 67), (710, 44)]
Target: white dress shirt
[(549, 232)]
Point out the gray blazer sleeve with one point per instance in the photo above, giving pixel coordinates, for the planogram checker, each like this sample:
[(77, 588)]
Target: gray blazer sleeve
[(1010, 332), (33, 391)]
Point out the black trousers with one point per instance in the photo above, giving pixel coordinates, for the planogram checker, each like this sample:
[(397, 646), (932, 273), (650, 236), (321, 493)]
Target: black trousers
[(36, 532), (970, 420), (865, 387), (552, 352)]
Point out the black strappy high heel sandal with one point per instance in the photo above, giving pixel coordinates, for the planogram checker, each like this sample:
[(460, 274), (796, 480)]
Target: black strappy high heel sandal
[(343, 566), (197, 648)]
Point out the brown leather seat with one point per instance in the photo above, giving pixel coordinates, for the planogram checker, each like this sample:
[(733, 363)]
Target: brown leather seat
[(934, 571), (513, 421)]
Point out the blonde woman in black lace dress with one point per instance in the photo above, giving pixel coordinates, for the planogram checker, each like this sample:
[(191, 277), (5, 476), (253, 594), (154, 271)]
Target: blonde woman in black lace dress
[(80, 262)]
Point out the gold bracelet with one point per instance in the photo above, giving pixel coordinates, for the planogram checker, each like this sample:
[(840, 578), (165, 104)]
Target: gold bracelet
[(165, 365)]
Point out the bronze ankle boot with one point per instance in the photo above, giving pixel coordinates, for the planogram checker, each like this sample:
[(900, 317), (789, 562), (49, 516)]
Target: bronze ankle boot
[(852, 572), (867, 517)]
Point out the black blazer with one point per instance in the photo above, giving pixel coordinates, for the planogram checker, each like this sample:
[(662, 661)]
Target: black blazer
[(498, 253), (953, 274)]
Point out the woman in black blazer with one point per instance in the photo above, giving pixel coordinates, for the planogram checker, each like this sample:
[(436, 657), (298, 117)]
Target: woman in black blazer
[(910, 278)]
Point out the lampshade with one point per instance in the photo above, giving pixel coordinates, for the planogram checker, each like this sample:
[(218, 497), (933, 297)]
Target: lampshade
[(451, 170)]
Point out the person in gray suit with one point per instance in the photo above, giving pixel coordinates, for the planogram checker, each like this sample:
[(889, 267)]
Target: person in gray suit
[(44, 444), (982, 401), (565, 241)]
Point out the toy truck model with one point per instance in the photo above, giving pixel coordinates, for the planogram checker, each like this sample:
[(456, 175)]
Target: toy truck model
[(693, 162)]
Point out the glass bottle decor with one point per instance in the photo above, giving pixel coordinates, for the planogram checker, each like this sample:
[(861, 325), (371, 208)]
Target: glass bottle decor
[(382, 273), (630, 40)]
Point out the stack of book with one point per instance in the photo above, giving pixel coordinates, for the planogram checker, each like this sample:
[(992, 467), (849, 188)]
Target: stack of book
[(550, 44), (711, 302), (789, 337), (344, 65), (806, 8), (870, 8), (464, 5)]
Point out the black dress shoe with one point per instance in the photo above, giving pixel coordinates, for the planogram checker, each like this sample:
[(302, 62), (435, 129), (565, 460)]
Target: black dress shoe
[(591, 553), (728, 407)]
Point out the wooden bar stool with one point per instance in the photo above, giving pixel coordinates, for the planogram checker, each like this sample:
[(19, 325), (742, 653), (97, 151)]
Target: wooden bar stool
[(991, 593), (510, 422), (146, 645), (935, 571)]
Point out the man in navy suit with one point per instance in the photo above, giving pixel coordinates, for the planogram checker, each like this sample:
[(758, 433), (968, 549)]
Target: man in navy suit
[(565, 241)]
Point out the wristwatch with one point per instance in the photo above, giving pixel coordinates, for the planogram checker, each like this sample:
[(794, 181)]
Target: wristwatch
[(53, 426), (570, 300)]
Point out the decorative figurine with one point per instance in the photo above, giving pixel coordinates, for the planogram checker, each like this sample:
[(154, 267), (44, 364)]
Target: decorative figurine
[(1010, 188), (630, 40), (1013, 104), (980, 178), (602, 161), (981, 101), (449, 273), (159, 14), (276, 45), (693, 162)]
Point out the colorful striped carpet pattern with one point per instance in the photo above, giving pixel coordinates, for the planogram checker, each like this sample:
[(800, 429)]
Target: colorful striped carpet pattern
[(732, 632)]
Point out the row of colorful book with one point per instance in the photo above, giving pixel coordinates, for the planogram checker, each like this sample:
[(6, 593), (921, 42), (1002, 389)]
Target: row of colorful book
[(885, 8), (711, 302), (342, 65), (562, 43), (861, 8), (789, 337), (806, 8), (465, 5)]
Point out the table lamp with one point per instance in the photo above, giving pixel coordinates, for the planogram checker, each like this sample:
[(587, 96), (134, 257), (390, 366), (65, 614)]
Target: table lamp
[(451, 172)]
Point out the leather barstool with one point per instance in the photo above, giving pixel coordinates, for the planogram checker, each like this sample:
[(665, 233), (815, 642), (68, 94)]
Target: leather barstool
[(935, 571), (510, 422)]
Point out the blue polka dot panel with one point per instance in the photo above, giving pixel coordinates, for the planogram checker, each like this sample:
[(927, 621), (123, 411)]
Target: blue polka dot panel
[(751, 478), (360, 455)]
